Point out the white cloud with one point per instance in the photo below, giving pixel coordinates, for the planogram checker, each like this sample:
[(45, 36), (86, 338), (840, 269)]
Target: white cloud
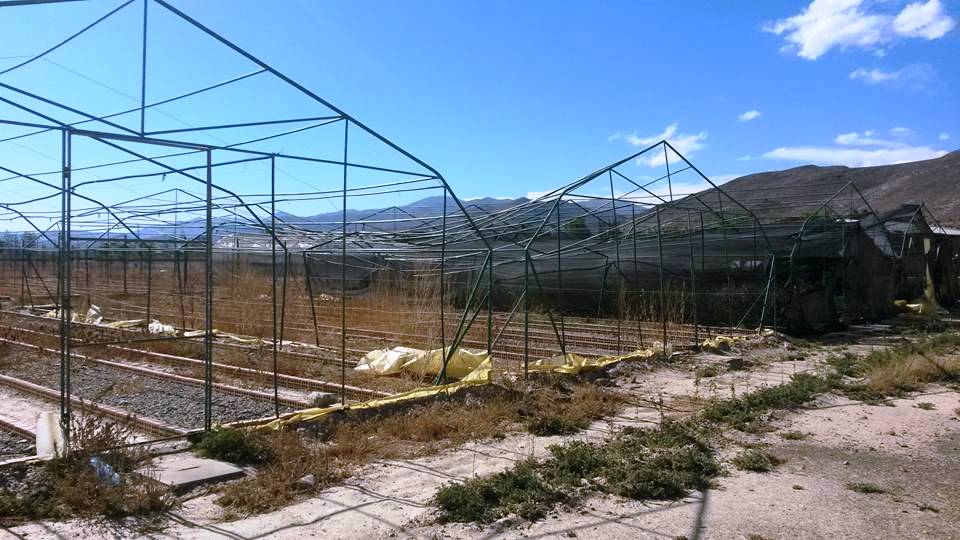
[(853, 157), (914, 76), (745, 158), (749, 115), (944, 136), (864, 139), (901, 131), (686, 144), (826, 24), (923, 20)]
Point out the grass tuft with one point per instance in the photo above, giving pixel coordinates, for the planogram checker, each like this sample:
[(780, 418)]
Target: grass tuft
[(666, 462), (756, 461), (520, 490), (69, 487), (865, 487), (746, 413), (240, 446)]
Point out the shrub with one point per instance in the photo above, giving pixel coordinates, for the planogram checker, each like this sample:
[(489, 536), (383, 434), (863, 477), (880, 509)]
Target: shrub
[(552, 424), (746, 412), (661, 463), (519, 490), (243, 447), (756, 461)]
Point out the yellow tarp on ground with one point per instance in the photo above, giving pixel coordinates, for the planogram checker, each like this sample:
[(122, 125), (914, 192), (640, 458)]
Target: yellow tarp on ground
[(479, 376), (573, 364), (568, 364), (719, 343), (419, 362)]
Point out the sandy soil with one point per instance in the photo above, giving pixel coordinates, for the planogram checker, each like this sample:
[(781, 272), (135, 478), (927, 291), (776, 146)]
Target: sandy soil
[(910, 452)]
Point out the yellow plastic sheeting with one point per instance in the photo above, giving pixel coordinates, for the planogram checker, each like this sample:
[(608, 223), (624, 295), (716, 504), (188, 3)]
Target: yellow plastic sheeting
[(927, 304), (419, 362), (479, 376), (574, 364), (720, 343)]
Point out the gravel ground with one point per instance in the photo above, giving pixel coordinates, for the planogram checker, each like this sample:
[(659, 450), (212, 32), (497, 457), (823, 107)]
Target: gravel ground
[(171, 402), (14, 446)]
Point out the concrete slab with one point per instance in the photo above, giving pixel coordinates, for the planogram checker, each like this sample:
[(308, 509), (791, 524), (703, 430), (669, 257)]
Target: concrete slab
[(184, 471)]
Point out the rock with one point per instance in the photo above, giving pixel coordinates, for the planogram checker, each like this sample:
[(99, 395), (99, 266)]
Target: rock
[(321, 399), (307, 482), (736, 364)]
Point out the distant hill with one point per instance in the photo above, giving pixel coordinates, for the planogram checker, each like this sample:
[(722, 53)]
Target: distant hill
[(777, 194), (935, 182)]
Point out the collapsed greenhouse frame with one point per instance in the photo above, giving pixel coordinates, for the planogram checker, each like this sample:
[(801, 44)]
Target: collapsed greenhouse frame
[(605, 265)]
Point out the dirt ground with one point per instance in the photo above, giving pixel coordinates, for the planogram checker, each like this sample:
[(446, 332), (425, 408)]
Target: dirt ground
[(911, 452)]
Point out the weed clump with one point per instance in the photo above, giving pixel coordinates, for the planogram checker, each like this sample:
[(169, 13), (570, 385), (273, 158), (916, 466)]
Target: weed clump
[(69, 486), (520, 490), (565, 412), (663, 463), (666, 462), (866, 488), (756, 461), (706, 372), (554, 424), (746, 413), (291, 469), (794, 435), (240, 446), (904, 368)]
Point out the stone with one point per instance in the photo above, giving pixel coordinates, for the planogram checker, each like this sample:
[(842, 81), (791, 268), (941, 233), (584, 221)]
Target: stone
[(184, 471), (307, 482), (321, 399)]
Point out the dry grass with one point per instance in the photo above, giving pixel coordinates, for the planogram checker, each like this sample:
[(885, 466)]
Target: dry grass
[(276, 483), (77, 486), (419, 430), (904, 368), (69, 486)]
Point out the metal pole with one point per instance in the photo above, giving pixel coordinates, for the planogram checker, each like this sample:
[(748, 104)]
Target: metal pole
[(616, 233), (563, 332), (636, 270), (490, 304), (124, 265), (693, 284), (273, 275), (526, 315), (149, 280), (86, 274), (64, 286), (313, 307), (343, 274), (283, 291), (666, 159), (208, 307), (443, 258), (663, 303)]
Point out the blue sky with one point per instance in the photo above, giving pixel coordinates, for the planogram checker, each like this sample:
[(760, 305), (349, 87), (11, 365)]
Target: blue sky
[(507, 98)]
